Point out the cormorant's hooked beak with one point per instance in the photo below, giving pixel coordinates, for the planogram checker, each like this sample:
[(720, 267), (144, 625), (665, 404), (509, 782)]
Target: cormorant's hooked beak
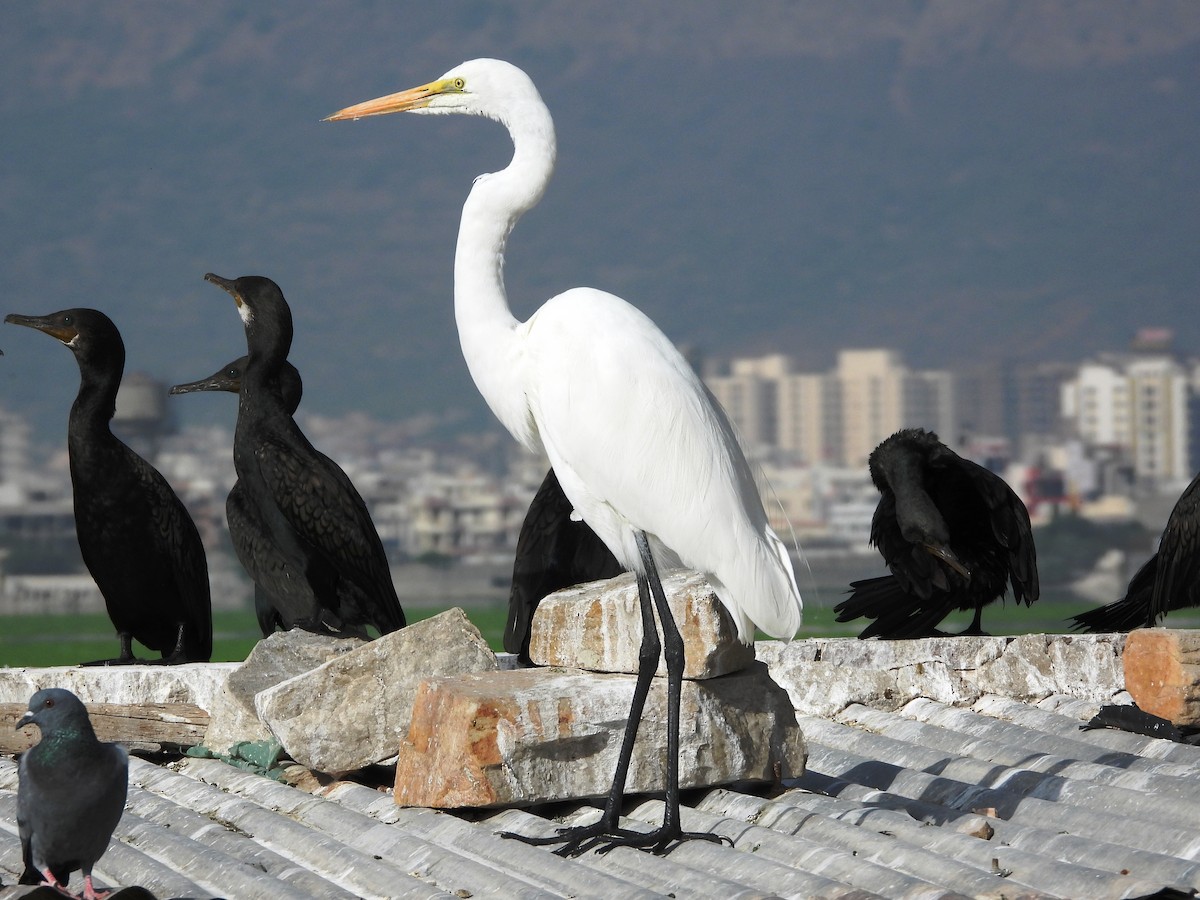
[(226, 284), (46, 324), (946, 555), (211, 383), (404, 101)]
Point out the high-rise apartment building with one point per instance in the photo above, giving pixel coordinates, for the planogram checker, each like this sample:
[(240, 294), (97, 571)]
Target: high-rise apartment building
[(1137, 405), (837, 417)]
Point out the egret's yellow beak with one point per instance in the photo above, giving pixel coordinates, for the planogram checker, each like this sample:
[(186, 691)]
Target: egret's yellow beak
[(413, 98)]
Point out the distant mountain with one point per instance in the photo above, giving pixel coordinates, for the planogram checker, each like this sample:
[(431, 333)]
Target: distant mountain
[(960, 181)]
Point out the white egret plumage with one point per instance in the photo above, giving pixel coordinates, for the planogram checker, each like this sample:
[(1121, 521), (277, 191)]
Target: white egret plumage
[(641, 448)]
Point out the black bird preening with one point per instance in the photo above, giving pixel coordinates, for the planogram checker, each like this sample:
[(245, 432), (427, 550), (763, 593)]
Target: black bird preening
[(1167, 581), (71, 793), (953, 534), (554, 551), (307, 503), (137, 539)]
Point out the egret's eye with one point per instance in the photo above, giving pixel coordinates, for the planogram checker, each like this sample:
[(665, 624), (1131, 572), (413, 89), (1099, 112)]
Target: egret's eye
[(459, 84)]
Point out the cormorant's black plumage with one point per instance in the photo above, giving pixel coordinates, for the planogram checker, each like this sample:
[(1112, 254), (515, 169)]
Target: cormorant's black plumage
[(1168, 580), (303, 495), (283, 596), (953, 534), (553, 552), (136, 537)]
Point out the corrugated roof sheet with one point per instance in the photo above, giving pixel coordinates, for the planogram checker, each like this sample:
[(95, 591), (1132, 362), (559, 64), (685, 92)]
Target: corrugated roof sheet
[(1003, 799)]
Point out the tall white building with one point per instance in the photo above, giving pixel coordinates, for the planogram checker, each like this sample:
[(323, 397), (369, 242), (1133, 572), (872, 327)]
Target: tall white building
[(750, 396), (1138, 405), (837, 417)]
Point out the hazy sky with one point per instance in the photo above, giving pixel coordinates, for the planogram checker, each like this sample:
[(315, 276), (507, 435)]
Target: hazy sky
[(717, 168)]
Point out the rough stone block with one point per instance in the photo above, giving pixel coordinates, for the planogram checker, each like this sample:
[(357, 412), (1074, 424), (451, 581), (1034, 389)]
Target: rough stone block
[(353, 710), (194, 683), (825, 689), (824, 674), (598, 627), (276, 658), (1162, 673), (1087, 666), (536, 735)]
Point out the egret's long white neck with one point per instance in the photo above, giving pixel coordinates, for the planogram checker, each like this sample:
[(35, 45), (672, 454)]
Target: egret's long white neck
[(487, 329)]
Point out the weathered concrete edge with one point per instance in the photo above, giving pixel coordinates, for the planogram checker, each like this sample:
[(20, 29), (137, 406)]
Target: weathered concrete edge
[(818, 673)]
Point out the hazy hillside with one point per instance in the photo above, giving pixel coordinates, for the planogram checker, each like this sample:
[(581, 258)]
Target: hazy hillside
[(957, 180)]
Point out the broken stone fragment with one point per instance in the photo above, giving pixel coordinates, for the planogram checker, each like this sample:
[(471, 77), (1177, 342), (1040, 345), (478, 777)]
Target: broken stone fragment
[(598, 627), (276, 658), (536, 735), (354, 710)]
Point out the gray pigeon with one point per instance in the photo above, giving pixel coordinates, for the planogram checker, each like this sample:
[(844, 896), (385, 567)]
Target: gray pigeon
[(71, 793)]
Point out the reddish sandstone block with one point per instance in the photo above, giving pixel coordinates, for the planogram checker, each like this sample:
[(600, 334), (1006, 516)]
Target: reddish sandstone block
[(535, 735), (1162, 673)]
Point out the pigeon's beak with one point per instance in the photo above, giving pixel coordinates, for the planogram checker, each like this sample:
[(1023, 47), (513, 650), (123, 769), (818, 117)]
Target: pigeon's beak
[(26, 719)]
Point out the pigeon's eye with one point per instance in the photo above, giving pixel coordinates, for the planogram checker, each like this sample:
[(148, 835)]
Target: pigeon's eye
[(48, 704)]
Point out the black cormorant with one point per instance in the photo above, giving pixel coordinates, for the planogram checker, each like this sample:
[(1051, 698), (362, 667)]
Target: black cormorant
[(952, 533), (283, 597), (303, 495), (553, 552), (136, 537), (1168, 580)]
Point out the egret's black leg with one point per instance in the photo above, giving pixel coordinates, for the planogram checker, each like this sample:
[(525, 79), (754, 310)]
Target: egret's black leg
[(671, 829), (576, 840), (605, 832)]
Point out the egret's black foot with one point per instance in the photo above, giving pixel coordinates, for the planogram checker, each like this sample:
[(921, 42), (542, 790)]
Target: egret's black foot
[(602, 838)]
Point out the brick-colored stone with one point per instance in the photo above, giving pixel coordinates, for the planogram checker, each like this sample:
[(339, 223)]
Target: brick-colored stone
[(1162, 673), (536, 735)]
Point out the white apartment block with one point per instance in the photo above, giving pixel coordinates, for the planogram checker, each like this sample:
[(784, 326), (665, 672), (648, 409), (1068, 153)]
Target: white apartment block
[(1137, 405), (837, 417)]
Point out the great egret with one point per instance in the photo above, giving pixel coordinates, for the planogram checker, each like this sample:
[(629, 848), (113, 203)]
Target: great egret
[(642, 450), (952, 533), (1167, 581), (310, 507), (135, 535)]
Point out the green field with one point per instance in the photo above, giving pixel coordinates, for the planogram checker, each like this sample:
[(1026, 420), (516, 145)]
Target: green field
[(68, 640)]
